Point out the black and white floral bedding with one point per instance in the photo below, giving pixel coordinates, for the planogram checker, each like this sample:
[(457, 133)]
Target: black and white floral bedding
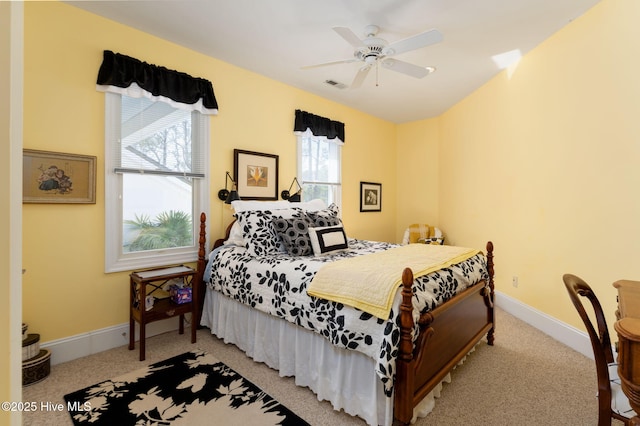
[(276, 284)]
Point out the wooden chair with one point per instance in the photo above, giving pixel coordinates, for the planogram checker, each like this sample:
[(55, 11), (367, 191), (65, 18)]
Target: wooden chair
[(612, 402)]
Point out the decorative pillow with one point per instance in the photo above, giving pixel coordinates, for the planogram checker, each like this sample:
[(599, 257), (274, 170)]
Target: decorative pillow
[(325, 217), (328, 239), (294, 234), (258, 233)]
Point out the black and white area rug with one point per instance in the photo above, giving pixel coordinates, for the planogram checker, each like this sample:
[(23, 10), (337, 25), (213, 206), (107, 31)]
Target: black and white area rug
[(189, 389)]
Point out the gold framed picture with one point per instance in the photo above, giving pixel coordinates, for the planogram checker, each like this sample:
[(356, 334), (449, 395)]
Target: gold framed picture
[(54, 177), (256, 175)]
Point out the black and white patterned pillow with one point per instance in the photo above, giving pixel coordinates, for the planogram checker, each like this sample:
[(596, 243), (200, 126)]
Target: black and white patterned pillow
[(257, 231), (294, 234), (325, 217)]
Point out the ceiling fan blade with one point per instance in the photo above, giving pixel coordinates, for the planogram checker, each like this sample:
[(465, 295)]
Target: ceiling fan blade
[(417, 41), (349, 36), (360, 76), (407, 68), (345, 61)]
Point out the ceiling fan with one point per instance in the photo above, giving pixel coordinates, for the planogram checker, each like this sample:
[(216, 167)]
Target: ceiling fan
[(374, 51)]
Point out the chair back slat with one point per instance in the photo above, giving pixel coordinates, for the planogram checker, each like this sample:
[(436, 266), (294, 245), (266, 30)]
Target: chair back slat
[(600, 340)]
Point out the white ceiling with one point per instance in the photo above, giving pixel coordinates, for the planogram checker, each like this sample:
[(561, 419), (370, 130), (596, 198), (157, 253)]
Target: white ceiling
[(276, 38)]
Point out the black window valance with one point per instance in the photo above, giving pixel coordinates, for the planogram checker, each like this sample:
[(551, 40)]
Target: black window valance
[(319, 126), (124, 74)]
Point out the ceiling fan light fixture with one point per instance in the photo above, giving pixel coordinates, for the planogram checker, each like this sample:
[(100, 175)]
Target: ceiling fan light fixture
[(370, 59)]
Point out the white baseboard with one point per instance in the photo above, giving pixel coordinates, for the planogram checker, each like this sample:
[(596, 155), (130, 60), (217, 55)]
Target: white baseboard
[(70, 348), (80, 345), (564, 333)]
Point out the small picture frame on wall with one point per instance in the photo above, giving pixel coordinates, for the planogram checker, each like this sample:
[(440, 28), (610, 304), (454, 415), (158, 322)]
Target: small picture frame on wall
[(54, 177), (256, 175), (370, 197)]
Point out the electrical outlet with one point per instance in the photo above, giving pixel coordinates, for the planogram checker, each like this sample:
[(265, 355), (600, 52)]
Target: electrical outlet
[(515, 282)]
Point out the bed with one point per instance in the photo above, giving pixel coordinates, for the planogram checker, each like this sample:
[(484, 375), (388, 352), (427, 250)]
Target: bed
[(256, 297)]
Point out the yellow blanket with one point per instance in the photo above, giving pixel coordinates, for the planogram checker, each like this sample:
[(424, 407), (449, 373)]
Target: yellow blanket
[(369, 282)]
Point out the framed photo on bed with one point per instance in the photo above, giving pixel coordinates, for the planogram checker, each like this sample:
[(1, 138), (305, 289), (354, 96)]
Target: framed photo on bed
[(370, 197), (256, 175), (53, 177)]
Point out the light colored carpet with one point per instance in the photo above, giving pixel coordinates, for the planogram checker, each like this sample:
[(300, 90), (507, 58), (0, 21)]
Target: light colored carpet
[(527, 378)]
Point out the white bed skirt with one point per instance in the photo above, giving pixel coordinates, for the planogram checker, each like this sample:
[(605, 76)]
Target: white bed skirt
[(345, 378)]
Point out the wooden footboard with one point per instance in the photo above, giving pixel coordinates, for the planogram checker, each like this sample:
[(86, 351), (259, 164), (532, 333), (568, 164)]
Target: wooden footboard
[(447, 334)]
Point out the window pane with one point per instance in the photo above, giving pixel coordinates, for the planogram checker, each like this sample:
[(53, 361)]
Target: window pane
[(157, 212), (320, 161), (319, 169), (328, 193), (155, 136)]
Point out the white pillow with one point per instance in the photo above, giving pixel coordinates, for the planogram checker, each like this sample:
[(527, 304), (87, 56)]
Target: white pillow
[(311, 206), (235, 235), (246, 205), (328, 239)]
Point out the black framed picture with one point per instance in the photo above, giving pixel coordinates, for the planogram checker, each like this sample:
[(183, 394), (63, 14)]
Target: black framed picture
[(370, 197), (256, 175)]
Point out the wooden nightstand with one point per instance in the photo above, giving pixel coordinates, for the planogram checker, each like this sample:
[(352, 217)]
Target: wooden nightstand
[(145, 283)]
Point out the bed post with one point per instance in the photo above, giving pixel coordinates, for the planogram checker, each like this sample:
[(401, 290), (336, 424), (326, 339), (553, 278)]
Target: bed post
[(404, 381), (489, 298), (198, 285)]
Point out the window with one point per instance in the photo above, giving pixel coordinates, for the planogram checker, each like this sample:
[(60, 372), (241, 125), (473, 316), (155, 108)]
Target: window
[(319, 167), (155, 182)]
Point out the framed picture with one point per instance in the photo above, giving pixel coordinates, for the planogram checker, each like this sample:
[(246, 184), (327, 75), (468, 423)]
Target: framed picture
[(370, 197), (256, 175), (53, 177)]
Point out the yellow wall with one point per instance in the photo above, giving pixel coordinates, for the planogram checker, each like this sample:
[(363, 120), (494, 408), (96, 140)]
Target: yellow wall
[(65, 289), (418, 170), (545, 161)]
